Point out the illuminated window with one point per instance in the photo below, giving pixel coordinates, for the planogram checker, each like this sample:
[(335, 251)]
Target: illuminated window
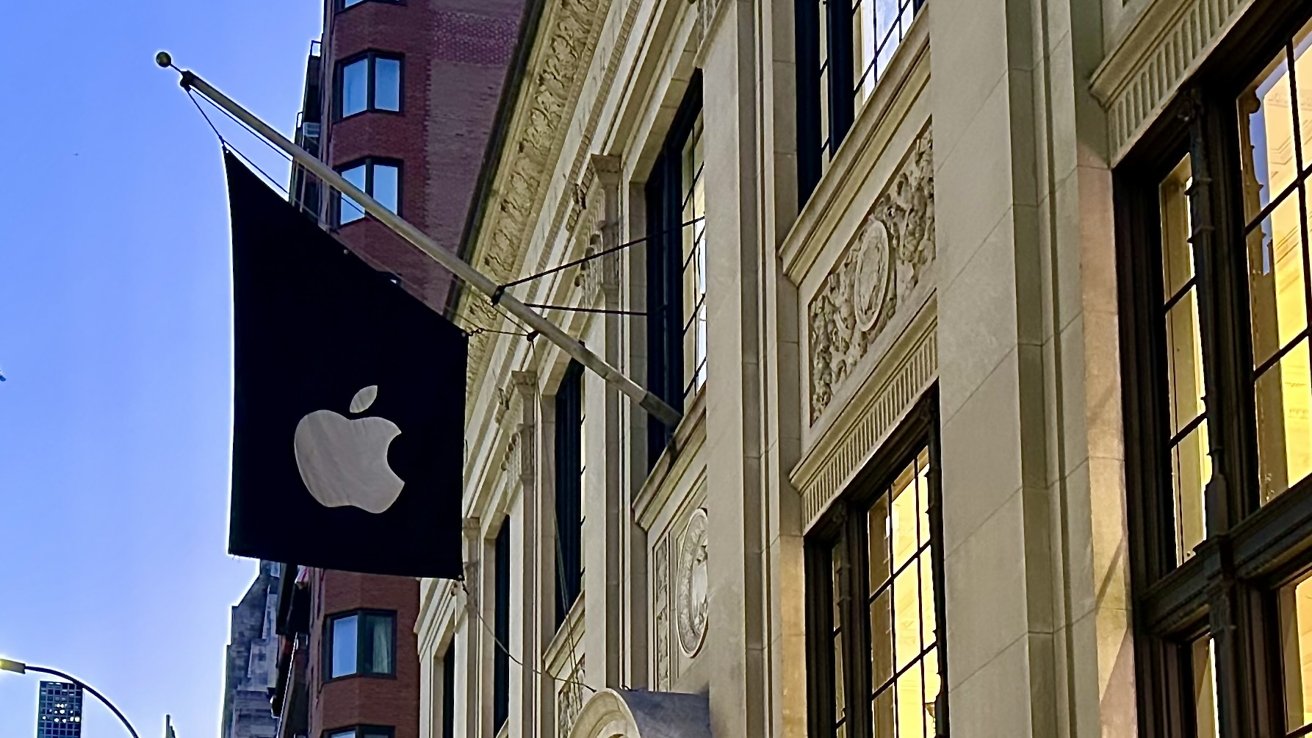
[(1213, 259), (874, 584)]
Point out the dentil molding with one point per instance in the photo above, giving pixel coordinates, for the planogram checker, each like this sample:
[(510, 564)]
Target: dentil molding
[(1154, 57)]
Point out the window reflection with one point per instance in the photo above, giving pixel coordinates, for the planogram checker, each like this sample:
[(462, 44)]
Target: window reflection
[(1191, 467), (1203, 686), (1295, 607), (1274, 147)]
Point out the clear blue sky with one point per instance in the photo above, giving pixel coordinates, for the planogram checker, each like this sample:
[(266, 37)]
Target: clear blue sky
[(115, 336)]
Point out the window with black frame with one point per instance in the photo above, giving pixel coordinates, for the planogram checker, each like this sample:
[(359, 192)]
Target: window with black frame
[(874, 592), (676, 263), (843, 49), (569, 490), (361, 643), (501, 629), (1214, 265)]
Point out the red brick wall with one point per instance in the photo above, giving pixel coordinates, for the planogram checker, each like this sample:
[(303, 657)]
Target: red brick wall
[(365, 700), (456, 54)]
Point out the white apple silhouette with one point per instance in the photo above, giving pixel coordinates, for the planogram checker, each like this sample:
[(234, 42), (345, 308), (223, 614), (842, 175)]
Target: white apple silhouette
[(344, 462)]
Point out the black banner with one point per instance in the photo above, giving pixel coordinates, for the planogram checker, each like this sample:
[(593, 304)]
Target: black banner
[(349, 403)]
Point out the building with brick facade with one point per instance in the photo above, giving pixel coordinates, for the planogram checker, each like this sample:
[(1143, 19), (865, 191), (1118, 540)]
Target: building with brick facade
[(989, 324), (400, 98)]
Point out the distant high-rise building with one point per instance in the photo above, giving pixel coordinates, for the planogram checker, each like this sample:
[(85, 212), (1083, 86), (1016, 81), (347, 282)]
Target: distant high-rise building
[(59, 711), (252, 660)]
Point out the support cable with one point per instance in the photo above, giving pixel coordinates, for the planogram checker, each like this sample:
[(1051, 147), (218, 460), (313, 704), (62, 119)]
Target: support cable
[(501, 288)]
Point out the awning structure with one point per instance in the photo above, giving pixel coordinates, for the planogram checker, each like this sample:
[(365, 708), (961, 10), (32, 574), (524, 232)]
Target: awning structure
[(613, 713)]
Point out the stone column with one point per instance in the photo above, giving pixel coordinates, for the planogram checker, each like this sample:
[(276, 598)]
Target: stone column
[(1027, 344), (521, 480), (734, 498)]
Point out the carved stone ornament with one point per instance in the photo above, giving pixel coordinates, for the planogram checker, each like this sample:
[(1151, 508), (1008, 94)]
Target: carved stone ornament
[(882, 264), (569, 702), (662, 570), (692, 585)]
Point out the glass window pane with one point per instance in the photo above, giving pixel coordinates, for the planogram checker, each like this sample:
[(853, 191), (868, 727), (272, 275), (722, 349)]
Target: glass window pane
[(928, 622), (1276, 288), (1267, 137), (378, 632), (344, 646), (1204, 687), (863, 49), (881, 639), (1192, 470), (840, 687), (1284, 422), (1303, 71), (882, 713), (342, 734), (1184, 361), (387, 84), (877, 537), (906, 616), (1177, 227), (349, 3), (922, 489), (1296, 652), (933, 684), (911, 712), (355, 87), (905, 536), (386, 185), (350, 209)]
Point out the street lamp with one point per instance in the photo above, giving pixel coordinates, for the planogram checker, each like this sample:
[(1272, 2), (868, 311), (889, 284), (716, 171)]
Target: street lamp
[(18, 667)]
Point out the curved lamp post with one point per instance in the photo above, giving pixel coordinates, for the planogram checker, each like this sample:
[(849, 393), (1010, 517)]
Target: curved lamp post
[(18, 667)]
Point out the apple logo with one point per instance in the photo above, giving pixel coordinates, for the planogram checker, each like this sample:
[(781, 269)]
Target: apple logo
[(344, 462)]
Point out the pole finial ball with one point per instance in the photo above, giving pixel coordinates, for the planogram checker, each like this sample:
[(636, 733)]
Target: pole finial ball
[(164, 59)]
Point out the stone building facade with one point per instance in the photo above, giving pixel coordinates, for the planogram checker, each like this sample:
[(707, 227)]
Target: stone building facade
[(950, 294), (252, 660)]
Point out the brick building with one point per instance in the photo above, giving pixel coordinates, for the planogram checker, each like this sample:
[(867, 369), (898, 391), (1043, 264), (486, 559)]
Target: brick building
[(400, 99)]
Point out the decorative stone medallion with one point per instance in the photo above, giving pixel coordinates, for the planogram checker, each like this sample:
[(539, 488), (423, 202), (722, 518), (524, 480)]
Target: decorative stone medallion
[(876, 271), (691, 583)]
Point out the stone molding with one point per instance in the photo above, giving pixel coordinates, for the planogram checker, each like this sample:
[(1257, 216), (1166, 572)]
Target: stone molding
[(661, 611), (880, 268), (551, 86), (1153, 58), (887, 395)]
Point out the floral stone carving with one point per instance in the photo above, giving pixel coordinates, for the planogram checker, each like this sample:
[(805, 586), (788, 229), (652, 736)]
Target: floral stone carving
[(883, 264)]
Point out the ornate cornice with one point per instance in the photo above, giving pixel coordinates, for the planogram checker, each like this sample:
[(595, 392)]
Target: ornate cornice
[(1154, 57), (552, 81), (908, 370)]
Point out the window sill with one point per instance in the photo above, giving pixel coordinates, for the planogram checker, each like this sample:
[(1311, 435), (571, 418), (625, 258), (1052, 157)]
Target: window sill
[(568, 638), (348, 677), (689, 434)]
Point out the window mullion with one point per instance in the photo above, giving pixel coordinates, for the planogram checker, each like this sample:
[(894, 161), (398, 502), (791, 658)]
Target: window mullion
[(852, 601), (1222, 319), (841, 84)]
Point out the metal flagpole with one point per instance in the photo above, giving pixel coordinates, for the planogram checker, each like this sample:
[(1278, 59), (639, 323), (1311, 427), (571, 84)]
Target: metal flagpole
[(654, 405)]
